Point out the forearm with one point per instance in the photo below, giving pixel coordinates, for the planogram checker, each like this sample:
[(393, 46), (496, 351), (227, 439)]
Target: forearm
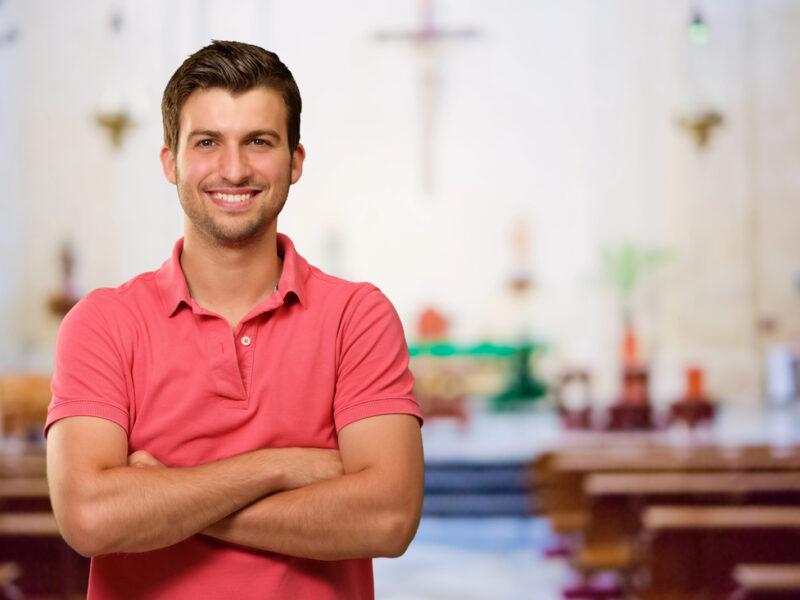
[(130, 509), (357, 515)]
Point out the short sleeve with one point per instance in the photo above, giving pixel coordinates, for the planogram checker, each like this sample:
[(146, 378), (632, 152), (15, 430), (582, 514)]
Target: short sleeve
[(373, 377), (90, 377)]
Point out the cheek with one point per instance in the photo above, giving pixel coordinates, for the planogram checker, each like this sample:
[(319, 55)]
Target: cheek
[(193, 171), (270, 167)]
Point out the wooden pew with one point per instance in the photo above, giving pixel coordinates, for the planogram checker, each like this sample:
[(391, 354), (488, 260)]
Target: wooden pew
[(558, 476), (23, 487), (9, 572), (692, 483), (47, 566), (678, 458), (558, 491), (615, 503), (38, 524), (564, 510), (24, 494), (29, 536), (24, 398), (566, 470), (559, 497), (692, 551), (564, 502), (767, 582), (30, 464)]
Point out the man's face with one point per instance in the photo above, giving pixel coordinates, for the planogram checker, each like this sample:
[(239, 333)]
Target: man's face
[(233, 167)]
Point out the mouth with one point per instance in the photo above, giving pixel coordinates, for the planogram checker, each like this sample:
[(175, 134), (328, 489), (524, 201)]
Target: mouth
[(233, 199)]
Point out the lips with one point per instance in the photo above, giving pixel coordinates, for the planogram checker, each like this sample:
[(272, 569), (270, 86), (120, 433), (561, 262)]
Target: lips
[(232, 199)]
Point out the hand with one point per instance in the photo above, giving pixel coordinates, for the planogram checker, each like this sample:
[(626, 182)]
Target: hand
[(140, 459), (303, 466)]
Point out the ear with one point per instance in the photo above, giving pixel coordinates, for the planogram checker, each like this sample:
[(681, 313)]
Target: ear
[(168, 164), (298, 157)]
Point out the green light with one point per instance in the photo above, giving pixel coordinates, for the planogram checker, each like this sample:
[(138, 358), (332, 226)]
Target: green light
[(698, 30)]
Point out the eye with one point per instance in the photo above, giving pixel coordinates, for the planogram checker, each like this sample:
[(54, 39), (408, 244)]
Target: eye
[(261, 142), (205, 143)]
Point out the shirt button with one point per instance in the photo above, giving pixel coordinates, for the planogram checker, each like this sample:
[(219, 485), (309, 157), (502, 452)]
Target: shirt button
[(245, 340)]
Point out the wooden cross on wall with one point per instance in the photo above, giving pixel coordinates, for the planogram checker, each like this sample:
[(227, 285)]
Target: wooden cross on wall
[(427, 40)]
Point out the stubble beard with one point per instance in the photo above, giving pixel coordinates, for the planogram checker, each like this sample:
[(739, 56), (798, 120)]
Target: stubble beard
[(197, 211)]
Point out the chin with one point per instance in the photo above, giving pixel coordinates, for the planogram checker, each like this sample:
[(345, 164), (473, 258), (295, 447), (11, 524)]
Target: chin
[(239, 237)]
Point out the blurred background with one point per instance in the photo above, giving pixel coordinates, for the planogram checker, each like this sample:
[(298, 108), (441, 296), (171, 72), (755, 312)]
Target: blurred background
[(587, 214)]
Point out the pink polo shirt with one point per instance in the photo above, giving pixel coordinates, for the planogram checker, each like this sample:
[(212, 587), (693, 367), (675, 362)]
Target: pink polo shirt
[(316, 355)]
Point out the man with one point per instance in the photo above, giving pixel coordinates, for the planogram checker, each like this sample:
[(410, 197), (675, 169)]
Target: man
[(237, 424)]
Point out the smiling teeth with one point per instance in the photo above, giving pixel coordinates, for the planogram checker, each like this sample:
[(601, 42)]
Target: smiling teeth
[(232, 197)]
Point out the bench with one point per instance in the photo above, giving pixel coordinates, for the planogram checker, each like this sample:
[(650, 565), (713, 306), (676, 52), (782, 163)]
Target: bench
[(615, 503), (607, 540), (767, 582), (691, 552), (47, 564)]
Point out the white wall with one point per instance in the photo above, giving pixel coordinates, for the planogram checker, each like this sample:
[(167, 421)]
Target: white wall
[(13, 222), (560, 113)]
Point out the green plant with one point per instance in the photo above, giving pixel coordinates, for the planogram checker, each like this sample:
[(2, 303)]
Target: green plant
[(626, 264)]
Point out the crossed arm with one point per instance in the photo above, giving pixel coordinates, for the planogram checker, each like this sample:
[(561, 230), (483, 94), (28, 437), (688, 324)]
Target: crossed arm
[(363, 501)]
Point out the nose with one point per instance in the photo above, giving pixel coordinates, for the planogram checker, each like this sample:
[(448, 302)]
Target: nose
[(233, 165)]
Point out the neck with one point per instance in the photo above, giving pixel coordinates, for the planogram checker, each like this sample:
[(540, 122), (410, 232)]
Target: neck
[(230, 279)]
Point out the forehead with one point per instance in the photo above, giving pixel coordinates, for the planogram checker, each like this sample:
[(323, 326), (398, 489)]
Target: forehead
[(219, 109)]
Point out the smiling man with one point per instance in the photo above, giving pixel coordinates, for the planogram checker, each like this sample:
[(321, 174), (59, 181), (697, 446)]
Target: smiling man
[(236, 424)]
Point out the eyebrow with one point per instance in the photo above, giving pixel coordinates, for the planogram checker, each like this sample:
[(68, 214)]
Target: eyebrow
[(252, 134), (265, 133)]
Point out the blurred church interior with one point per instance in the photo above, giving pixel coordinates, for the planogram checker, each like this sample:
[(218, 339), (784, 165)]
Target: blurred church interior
[(586, 213)]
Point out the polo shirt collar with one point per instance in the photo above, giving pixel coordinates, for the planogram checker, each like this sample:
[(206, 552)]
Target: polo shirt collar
[(173, 289), (295, 271)]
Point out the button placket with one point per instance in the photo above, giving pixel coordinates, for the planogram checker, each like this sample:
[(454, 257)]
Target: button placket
[(224, 361), (245, 358)]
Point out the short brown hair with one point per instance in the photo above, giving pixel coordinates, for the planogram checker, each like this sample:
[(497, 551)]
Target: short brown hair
[(236, 67)]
